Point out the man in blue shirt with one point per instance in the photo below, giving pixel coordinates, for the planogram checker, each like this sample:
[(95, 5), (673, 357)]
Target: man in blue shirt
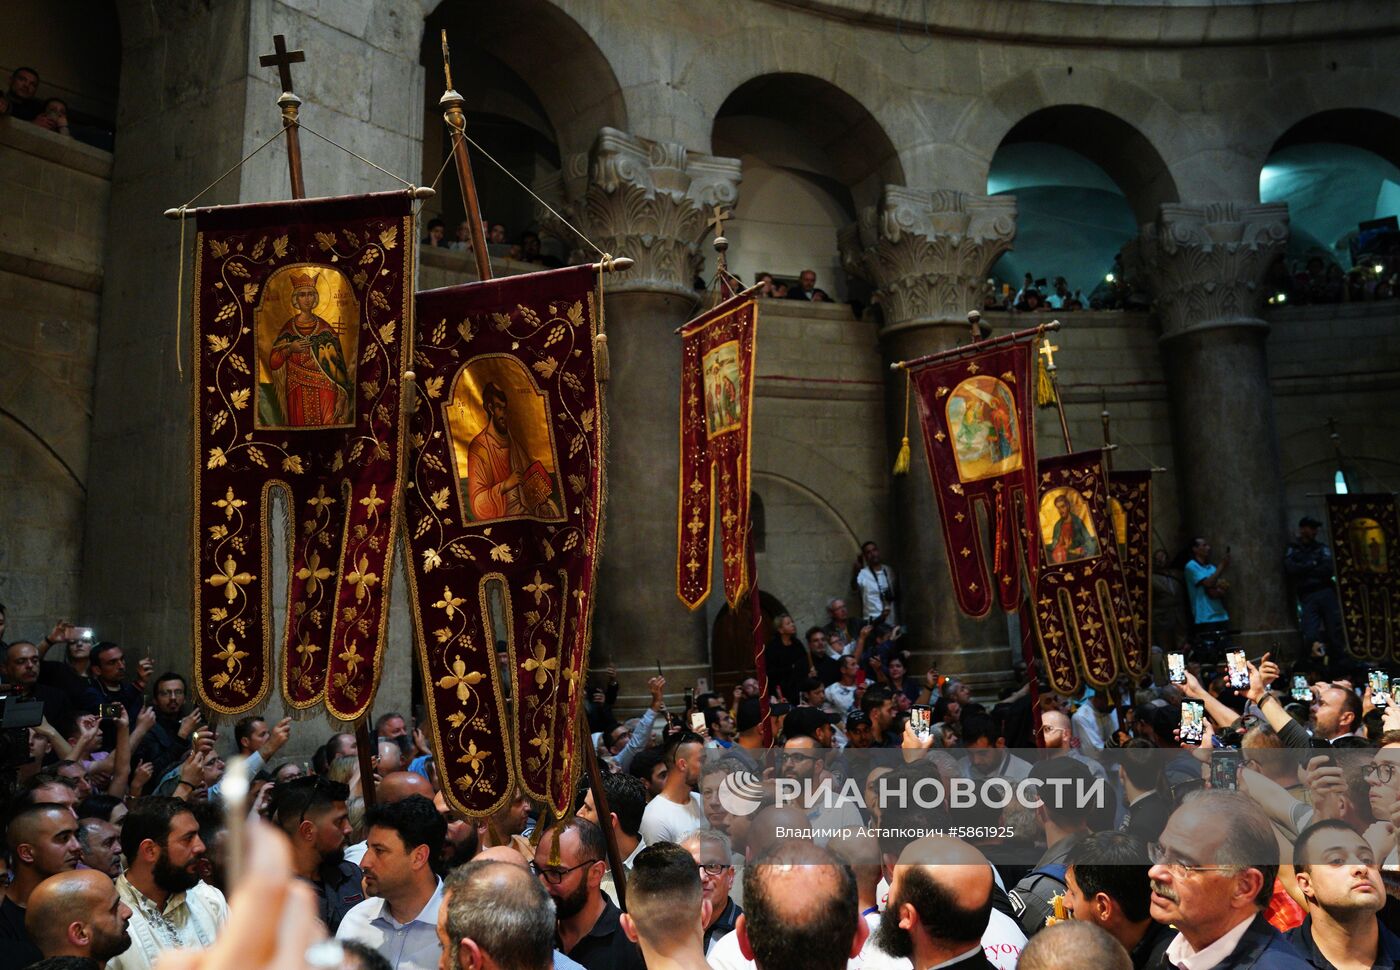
[(1205, 589), (401, 916)]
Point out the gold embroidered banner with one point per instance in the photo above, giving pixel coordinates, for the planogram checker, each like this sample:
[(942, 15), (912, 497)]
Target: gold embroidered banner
[(979, 437), (1130, 508), (300, 318), (505, 498), (1072, 619), (1365, 536), (717, 355)]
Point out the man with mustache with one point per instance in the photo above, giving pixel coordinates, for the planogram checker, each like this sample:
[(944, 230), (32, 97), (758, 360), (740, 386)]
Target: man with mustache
[(1340, 880), (171, 908), (1212, 874)]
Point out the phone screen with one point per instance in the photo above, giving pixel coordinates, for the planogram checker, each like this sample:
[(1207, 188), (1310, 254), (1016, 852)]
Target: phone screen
[(1301, 690), (697, 721), (1193, 719), (1380, 687), (1239, 673), (921, 720), (1224, 769), (1176, 668)]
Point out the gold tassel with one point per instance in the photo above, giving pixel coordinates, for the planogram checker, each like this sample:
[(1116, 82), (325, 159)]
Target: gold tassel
[(901, 460), (1044, 386), (602, 364)]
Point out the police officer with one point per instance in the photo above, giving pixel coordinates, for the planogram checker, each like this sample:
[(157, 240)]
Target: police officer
[(1308, 564), (1064, 816)]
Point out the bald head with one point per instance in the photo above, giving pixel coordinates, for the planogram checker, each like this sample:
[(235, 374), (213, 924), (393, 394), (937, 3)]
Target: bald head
[(390, 758), (800, 909), (78, 914), (765, 823), (498, 911), (500, 853), (940, 900), (1071, 945), (399, 785)]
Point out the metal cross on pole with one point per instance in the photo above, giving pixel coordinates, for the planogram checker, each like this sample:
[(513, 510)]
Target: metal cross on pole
[(283, 59)]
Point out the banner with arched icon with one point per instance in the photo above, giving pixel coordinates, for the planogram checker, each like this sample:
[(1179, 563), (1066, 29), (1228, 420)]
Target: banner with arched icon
[(1365, 542)]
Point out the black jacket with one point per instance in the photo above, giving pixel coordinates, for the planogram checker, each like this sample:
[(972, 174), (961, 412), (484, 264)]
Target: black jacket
[(1261, 948)]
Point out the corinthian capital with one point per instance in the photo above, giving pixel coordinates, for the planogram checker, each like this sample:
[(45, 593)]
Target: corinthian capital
[(1207, 262), (648, 200), (928, 252)]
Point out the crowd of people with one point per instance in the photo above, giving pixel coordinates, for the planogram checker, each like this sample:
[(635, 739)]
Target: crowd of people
[(526, 248), (1321, 280), (1263, 842)]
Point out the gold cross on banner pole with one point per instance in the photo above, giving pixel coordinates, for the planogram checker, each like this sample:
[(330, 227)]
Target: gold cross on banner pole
[(721, 214), (1048, 350)]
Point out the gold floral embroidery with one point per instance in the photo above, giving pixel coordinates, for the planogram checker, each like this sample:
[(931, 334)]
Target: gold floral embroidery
[(539, 587), (449, 603), (230, 579), (362, 579), (229, 504), (539, 665), (313, 572), (462, 679)]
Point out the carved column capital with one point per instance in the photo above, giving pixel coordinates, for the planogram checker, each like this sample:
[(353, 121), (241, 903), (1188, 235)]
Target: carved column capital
[(927, 253), (648, 200), (1207, 262)]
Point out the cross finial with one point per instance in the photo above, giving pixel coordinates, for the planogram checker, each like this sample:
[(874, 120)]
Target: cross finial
[(719, 217), (1047, 350), (283, 60)]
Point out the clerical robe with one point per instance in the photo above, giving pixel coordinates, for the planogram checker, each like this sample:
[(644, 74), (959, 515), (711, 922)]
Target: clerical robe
[(490, 461), (316, 379)]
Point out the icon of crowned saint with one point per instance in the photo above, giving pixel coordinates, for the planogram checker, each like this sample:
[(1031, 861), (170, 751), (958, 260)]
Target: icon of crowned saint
[(309, 363)]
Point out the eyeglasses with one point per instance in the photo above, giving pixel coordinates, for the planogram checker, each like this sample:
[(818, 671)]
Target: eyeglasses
[(712, 868), (1382, 771), (555, 876), (1160, 855)]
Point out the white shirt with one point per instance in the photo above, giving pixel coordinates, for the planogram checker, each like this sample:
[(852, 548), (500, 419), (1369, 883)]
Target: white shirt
[(841, 697), (190, 921), (407, 946), (1182, 954), (608, 885), (1092, 728), (354, 853), (870, 585), (665, 821)]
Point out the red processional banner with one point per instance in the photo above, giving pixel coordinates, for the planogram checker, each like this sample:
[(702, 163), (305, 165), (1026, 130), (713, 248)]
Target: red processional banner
[(978, 422), (1365, 531), (1072, 619), (717, 356), (1130, 508), (301, 318), (504, 506)]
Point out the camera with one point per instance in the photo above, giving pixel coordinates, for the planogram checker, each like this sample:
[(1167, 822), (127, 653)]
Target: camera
[(110, 712)]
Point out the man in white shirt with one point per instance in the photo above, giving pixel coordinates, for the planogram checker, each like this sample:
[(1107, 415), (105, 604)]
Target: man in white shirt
[(841, 696), (875, 582), (1212, 875), (679, 809), (171, 908), (1095, 722), (400, 917)]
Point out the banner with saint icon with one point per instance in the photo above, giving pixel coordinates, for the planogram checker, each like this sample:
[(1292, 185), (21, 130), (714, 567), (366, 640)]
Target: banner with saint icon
[(505, 503), (1130, 509), (301, 330), (717, 355), (1072, 619), (1365, 533), (979, 437)]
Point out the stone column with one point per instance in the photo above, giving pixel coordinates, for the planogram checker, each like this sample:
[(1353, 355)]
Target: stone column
[(194, 100), (928, 253), (648, 200), (1206, 264)]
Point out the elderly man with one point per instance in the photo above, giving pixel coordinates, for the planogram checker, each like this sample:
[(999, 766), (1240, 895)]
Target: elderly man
[(802, 910), (78, 914), (1212, 875), (101, 845), (1340, 880), (713, 856), (494, 914)]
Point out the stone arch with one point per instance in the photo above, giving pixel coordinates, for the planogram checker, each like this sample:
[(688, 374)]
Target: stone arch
[(1084, 111), (828, 543), (813, 156), (565, 70)]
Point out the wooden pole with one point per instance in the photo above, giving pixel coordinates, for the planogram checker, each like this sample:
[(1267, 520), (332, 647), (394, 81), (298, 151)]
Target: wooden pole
[(451, 104), (283, 59), (1108, 448), (976, 348), (600, 802)]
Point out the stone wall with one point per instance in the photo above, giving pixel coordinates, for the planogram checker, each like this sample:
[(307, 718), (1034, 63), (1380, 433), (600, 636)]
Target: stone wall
[(52, 236)]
